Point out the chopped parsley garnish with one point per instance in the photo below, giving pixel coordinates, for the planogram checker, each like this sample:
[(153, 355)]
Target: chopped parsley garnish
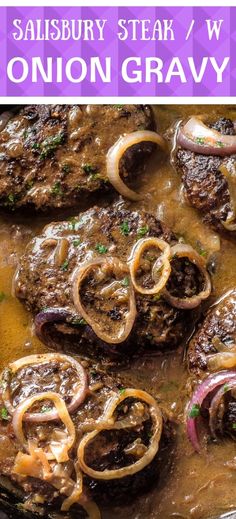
[(35, 146), (2, 297), (220, 144), (142, 231), (102, 249), (200, 140), (76, 242), (65, 265), (157, 297), (234, 426), (11, 199), (226, 387), (122, 390), (45, 409), (49, 145), (125, 282), (66, 168), (89, 168), (57, 189), (118, 106), (78, 322), (72, 224), (4, 414), (195, 411), (203, 252), (124, 228)]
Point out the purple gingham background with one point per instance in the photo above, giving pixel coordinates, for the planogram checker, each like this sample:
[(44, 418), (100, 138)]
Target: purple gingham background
[(197, 46)]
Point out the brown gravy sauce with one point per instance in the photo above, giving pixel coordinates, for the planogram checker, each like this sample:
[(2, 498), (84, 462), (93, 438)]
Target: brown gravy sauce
[(198, 486)]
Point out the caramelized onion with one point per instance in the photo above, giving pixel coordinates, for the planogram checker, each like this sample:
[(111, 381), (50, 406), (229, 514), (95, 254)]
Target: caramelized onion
[(80, 390), (116, 152), (221, 360), (57, 449), (4, 118), (182, 250), (112, 265), (201, 392), (76, 493), (165, 267), (147, 457), (199, 138), (230, 222)]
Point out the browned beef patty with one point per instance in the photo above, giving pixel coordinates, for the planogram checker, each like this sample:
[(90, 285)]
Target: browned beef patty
[(55, 156), (205, 186), (45, 278), (109, 450), (217, 331)]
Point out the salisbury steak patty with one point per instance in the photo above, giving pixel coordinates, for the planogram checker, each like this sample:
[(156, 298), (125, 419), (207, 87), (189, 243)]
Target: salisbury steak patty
[(118, 314), (215, 335), (54, 156), (206, 187), (84, 437)]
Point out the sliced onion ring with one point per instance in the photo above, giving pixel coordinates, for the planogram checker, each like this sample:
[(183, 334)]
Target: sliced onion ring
[(46, 317), (116, 152), (57, 451), (199, 138), (137, 251), (148, 456), (230, 222), (80, 274), (199, 395), (221, 360), (46, 358), (182, 250), (215, 405)]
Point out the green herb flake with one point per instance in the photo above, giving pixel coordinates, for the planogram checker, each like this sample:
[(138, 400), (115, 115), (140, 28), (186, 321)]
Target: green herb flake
[(125, 228), (89, 168), (125, 282), (157, 297), (35, 146), (102, 249), (195, 411), (78, 322), (203, 253), (11, 199), (65, 265), (72, 224), (76, 242), (119, 107), (226, 388), (122, 390), (234, 426), (142, 231), (200, 140), (57, 189), (49, 145), (4, 414), (2, 296), (220, 144), (66, 168), (45, 409)]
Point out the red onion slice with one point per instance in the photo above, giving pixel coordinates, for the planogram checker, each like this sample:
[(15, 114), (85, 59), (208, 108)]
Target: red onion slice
[(46, 358), (46, 317), (199, 138), (199, 395)]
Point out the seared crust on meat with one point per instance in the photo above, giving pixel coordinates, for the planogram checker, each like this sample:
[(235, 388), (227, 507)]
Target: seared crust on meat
[(54, 156), (219, 325), (205, 186), (40, 283)]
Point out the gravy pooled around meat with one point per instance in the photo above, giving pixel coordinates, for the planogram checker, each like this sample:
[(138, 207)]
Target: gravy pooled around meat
[(115, 279)]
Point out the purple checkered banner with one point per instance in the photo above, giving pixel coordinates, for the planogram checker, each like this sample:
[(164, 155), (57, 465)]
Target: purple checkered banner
[(118, 51)]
